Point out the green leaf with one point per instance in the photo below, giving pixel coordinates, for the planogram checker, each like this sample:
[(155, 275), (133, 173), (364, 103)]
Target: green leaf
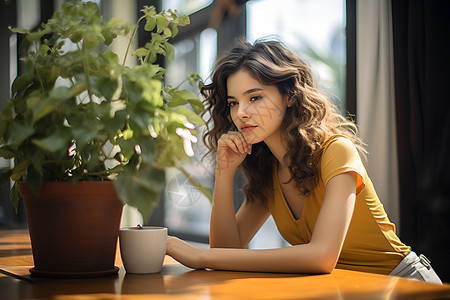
[(33, 36), (20, 104), (108, 36), (123, 180), (47, 105), (20, 132), (197, 105), (142, 52), (150, 24), (14, 196), (85, 133), (174, 30), (151, 178), (22, 82), (77, 89), (126, 147), (19, 169), (76, 37), (152, 91), (144, 189), (133, 92), (107, 87), (167, 32), (115, 124), (37, 158), (181, 97), (121, 183), (161, 23), (112, 57), (166, 157), (5, 122), (42, 108), (138, 123), (91, 42), (170, 51), (184, 20), (197, 184), (148, 145), (55, 142), (193, 117), (60, 93), (43, 50), (19, 30), (34, 179), (7, 152)]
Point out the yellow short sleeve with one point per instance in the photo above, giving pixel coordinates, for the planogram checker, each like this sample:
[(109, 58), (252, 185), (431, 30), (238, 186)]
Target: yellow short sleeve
[(341, 156)]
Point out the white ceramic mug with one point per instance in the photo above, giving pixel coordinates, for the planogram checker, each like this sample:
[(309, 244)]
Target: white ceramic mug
[(143, 248)]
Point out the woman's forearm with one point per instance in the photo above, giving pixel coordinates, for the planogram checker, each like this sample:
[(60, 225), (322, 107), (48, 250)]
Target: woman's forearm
[(293, 259), (224, 231)]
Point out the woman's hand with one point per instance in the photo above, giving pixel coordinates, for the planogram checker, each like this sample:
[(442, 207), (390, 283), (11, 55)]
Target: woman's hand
[(184, 253), (232, 148)]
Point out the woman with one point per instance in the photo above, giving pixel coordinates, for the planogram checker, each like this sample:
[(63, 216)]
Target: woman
[(301, 161)]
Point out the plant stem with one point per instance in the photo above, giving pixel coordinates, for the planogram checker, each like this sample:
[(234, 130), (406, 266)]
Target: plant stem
[(55, 161), (86, 70), (131, 39), (105, 172), (112, 149), (178, 87), (36, 69)]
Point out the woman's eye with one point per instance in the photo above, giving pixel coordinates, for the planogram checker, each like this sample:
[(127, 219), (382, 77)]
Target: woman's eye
[(255, 98), (232, 103)]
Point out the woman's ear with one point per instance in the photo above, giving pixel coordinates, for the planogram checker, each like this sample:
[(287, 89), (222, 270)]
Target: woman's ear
[(290, 101)]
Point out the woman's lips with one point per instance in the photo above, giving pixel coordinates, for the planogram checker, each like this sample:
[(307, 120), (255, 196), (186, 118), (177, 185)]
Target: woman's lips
[(247, 128)]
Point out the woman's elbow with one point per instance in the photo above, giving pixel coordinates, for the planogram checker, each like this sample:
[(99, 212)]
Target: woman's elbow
[(323, 261), (325, 267), (313, 267), (326, 262)]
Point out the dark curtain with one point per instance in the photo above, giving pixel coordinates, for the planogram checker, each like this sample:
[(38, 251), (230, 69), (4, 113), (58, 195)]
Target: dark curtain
[(421, 30)]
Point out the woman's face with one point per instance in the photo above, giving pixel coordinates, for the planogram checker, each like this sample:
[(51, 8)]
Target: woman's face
[(256, 109)]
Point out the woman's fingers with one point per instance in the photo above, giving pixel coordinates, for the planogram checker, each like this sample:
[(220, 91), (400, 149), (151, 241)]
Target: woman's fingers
[(235, 141), (232, 150), (184, 252), (230, 144), (239, 140)]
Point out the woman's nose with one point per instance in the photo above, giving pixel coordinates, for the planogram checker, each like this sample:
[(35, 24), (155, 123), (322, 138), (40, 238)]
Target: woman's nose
[(243, 112)]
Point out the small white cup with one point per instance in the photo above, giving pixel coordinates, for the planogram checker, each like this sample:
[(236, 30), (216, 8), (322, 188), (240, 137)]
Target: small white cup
[(143, 248)]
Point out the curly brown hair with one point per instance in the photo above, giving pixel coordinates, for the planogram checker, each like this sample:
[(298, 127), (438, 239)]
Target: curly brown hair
[(307, 124)]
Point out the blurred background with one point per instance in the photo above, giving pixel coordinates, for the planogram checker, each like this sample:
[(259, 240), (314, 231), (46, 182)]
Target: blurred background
[(381, 62)]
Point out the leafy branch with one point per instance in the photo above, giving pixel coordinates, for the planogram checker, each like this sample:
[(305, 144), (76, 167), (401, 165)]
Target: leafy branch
[(78, 114)]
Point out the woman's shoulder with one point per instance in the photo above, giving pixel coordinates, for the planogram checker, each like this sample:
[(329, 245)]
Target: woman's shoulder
[(340, 155), (339, 149), (338, 141)]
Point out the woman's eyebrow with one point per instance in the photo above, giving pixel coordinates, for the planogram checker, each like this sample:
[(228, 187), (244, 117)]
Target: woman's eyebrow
[(252, 90), (247, 92)]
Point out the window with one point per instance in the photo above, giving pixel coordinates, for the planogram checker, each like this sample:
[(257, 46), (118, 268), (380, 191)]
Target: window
[(187, 6), (187, 210), (314, 30)]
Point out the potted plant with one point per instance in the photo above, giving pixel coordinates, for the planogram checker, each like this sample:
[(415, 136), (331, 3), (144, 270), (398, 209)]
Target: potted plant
[(85, 130)]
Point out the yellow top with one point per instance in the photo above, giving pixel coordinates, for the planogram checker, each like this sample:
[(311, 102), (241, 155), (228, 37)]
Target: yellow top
[(371, 244)]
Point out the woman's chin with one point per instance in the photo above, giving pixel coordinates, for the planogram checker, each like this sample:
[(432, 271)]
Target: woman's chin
[(252, 139)]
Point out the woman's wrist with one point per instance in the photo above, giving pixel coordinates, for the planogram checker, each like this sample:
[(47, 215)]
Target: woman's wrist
[(202, 257), (220, 171)]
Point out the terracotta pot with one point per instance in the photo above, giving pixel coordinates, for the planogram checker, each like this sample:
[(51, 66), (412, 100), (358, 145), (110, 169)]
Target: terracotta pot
[(73, 228)]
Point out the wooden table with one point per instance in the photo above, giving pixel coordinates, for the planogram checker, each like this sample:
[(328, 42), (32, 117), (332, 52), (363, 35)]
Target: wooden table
[(179, 282)]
